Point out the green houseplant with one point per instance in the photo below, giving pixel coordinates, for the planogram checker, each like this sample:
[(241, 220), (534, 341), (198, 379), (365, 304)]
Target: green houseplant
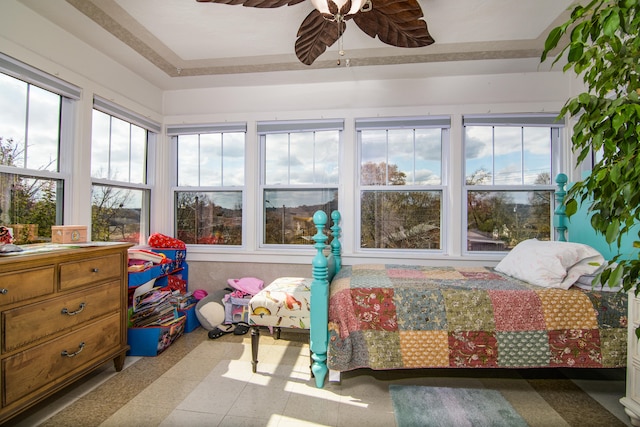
[(600, 43)]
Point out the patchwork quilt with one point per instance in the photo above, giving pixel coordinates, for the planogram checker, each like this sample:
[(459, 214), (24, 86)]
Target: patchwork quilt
[(396, 316)]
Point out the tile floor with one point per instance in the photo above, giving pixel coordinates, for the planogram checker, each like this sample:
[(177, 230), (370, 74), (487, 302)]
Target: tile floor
[(202, 382)]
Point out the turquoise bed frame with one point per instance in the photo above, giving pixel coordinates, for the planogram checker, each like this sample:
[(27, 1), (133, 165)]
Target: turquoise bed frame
[(575, 229)]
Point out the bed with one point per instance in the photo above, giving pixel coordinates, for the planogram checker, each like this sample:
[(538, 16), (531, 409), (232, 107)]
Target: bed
[(408, 317)]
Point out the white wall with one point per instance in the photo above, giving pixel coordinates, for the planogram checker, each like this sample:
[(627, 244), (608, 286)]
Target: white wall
[(25, 36)]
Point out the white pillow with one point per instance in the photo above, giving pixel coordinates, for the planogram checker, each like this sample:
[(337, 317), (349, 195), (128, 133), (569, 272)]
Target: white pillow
[(586, 281), (550, 264)]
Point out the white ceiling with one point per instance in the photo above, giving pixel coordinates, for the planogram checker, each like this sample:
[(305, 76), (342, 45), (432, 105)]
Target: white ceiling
[(182, 43)]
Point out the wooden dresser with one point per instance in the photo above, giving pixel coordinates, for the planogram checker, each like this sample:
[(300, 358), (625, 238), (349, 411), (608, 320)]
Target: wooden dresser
[(63, 314)]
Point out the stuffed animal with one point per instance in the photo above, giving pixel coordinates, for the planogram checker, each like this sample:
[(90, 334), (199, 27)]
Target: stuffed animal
[(210, 310)]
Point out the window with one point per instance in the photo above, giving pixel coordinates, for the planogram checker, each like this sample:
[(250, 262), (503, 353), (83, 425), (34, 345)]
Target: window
[(509, 165), (299, 176), (401, 181), (120, 192), (210, 177), (36, 111)]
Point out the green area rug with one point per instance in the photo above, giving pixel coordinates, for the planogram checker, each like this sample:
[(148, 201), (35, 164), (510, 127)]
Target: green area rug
[(446, 406)]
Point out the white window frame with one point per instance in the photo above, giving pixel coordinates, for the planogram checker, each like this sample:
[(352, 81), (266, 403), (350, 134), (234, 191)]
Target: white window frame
[(410, 122), (173, 132), (513, 120), (153, 130), (70, 95), (291, 126)]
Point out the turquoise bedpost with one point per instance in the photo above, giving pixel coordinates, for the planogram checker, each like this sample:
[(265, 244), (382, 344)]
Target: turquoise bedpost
[(336, 247), (560, 216), (319, 334)]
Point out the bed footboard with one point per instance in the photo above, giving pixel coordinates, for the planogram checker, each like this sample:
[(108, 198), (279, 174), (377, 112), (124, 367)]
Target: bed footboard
[(319, 336), (319, 332)]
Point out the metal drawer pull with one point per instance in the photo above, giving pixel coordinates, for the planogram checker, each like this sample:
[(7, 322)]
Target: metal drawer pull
[(4, 291), (73, 313), (95, 270), (66, 353)]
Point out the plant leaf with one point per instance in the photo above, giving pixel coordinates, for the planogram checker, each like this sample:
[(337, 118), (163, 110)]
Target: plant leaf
[(575, 52), (572, 207), (611, 24), (616, 275), (552, 41), (613, 229)]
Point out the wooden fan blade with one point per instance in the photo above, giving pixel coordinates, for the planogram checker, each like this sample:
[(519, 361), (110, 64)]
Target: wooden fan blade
[(395, 22), (255, 3), (316, 34)]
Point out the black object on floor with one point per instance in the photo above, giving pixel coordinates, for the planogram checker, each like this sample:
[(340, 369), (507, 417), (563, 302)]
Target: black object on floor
[(221, 330), (241, 328)]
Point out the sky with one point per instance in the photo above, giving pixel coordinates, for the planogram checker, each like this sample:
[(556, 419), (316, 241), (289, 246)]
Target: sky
[(42, 134), (518, 156)]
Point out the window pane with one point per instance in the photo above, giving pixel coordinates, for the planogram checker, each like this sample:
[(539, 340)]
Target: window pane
[(13, 114), (374, 146), (30, 118), (478, 155), (301, 158), (100, 136), (326, 157), (120, 138), (499, 220), (289, 214), (400, 219), (210, 159), (118, 149), (138, 155), (276, 159), (44, 129), (188, 156), (428, 168), (209, 218), (401, 154), (537, 155), (30, 206), (401, 157), (233, 159), (507, 156), (116, 213)]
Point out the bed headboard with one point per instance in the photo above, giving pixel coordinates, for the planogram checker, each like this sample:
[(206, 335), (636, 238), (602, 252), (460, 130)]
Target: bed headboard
[(578, 228)]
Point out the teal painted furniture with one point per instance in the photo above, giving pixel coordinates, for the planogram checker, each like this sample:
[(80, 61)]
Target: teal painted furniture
[(288, 302)]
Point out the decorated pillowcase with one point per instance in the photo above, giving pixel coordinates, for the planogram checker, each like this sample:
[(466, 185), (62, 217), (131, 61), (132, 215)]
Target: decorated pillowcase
[(550, 264)]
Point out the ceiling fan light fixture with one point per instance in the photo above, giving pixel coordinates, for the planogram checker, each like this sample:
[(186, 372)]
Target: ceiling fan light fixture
[(323, 7)]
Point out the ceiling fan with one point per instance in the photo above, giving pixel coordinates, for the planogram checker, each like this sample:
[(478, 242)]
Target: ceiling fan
[(395, 22)]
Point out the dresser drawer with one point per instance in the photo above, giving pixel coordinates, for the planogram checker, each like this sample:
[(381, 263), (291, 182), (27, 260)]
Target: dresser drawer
[(42, 366), (22, 285), (25, 324), (79, 273)]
